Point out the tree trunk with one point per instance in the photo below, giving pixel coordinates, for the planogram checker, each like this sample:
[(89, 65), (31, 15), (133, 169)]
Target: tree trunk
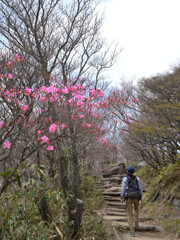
[(72, 193), (76, 189), (40, 201), (43, 208)]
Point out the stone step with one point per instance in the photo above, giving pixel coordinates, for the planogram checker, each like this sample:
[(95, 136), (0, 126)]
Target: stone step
[(99, 183)]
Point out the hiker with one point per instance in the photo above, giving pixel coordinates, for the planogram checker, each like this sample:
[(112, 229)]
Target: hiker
[(131, 192)]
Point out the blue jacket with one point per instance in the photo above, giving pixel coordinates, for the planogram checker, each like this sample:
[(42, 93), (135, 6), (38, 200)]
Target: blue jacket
[(125, 186)]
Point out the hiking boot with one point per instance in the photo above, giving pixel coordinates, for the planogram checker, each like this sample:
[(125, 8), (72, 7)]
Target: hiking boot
[(132, 234), (136, 225)]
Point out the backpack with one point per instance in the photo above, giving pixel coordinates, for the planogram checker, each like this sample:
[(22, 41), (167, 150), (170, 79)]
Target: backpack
[(133, 191)]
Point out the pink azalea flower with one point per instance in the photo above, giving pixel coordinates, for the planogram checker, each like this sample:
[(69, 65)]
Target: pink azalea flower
[(100, 93), (43, 99), (103, 140), (93, 91), (81, 116), (78, 96), (9, 64), (50, 148), (39, 132), (44, 139), (74, 88), (16, 56), (28, 90), (52, 128), (54, 97), (70, 101), (57, 90), (65, 90), (7, 144), (88, 125), (51, 88), (80, 103), (63, 126), (8, 93), (72, 117), (10, 76), (1, 124), (25, 107), (44, 89)]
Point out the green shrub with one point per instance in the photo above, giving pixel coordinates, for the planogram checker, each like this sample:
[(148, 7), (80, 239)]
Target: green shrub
[(166, 180), (20, 218), (93, 226), (172, 225)]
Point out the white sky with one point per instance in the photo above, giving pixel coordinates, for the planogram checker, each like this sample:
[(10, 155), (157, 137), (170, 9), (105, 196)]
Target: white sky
[(149, 33)]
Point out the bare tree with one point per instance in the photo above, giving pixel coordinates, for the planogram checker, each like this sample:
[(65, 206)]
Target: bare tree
[(57, 38)]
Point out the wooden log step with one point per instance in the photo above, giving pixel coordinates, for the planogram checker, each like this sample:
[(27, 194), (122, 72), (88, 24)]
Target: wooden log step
[(123, 219), (120, 214), (116, 210), (111, 193), (110, 198), (113, 197), (115, 204)]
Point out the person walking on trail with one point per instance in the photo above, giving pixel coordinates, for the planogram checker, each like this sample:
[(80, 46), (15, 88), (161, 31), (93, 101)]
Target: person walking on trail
[(131, 192)]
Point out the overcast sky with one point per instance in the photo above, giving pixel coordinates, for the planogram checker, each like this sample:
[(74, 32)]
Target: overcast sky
[(149, 33)]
